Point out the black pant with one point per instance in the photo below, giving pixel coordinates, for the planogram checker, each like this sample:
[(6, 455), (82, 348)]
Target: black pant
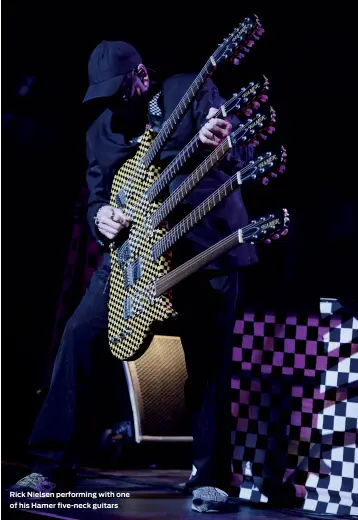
[(206, 305)]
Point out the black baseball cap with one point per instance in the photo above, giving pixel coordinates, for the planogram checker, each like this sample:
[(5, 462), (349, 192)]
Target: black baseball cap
[(107, 67)]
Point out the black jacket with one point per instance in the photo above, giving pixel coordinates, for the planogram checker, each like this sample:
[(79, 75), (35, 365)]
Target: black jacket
[(108, 149)]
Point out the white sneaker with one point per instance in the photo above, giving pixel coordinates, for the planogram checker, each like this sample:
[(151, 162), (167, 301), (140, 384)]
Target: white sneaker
[(209, 499), (34, 484)]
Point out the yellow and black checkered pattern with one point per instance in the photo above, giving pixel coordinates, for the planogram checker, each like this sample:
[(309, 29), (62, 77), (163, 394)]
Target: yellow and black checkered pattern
[(128, 337), (133, 177)]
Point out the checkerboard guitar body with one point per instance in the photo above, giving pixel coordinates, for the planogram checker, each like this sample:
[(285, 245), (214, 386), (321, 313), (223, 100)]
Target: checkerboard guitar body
[(128, 333), (139, 312), (133, 177)]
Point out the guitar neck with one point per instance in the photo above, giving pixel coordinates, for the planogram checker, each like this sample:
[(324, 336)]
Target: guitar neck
[(235, 46), (179, 161), (190, 182), (197, 214), (177, 115), (173, 168), (257, 230), (191, 266)]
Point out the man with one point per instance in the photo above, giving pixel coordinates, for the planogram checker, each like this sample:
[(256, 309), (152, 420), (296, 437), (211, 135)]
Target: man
[(206, 303)]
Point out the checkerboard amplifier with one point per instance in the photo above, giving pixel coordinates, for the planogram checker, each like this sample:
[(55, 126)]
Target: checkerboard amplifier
[(156, 389)]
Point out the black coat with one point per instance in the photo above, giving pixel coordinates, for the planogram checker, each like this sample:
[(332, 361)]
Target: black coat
[(108, 149)]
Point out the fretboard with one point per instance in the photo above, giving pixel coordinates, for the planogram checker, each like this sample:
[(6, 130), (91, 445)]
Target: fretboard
[(194, 216), (190, 182), (191, 266), (177, 115), (172, 169), (180, 160)]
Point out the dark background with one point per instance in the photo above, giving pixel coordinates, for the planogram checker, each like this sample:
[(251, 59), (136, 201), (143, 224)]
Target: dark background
[(309, 58)]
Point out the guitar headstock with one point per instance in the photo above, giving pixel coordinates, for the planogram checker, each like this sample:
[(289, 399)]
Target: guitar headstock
[(266, 227), (270, 164), (249, 96), (239, 42), (257, 126)]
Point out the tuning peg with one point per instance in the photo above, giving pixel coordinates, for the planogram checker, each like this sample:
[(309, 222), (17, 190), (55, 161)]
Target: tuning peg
[(256, 37), (265, 181), (282, 168), (248, 112), (263, 98), (276, 237), (262, 136), (260, 31), (273, 175), (250, 43), (245, 49), (267, 241), (236, 61), (254, 142), (270, 130)]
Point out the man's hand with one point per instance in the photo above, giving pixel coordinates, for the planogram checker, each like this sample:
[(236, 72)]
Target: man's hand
[(215, 130), (110, 221)]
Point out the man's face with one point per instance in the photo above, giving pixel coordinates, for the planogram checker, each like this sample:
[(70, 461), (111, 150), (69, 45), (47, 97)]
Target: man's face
[(136, 84)]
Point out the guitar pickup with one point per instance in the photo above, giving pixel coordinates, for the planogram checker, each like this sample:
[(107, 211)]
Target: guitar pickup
[(127, 311), (133, 273), (124, 254), (122, 335), (121, 199)]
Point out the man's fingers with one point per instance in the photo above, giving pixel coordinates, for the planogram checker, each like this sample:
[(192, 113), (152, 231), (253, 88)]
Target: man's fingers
[(109, 234), (111, 224), (110, 211), (208, 137), (220, 132), (114, 214), (207, 141), (209, 134), (113, 227), (118, 216), (110, 221), (221, 123), (211, 113)]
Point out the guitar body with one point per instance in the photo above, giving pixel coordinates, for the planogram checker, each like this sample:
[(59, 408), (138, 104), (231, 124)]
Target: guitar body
[(135, 313), (134, 179)]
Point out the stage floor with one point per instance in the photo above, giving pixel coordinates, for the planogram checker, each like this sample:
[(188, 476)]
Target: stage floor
[(152, 496)]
